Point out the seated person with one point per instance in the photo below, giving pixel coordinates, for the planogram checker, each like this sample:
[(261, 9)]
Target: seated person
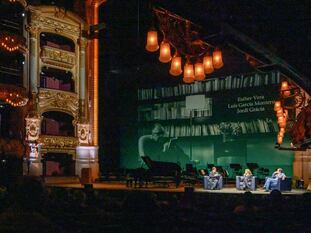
[(213, 179), (278, 174), (246, 180)]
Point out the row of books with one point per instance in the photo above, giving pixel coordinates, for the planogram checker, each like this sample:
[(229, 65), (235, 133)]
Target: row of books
[(54, 83), (211, 85), (249, 127), (172, 114), (172, 110)]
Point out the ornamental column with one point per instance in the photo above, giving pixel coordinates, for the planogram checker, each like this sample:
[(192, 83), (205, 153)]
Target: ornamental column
[(82, 83), (86, 155), (83, 126), (33, 58), (32, 163)]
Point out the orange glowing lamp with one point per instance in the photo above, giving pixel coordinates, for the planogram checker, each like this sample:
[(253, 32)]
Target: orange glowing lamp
[(217, 59), (165, 52), (199, 74), (208, 64), (152, 41), (277, 105), (176, 69), (188, 73)]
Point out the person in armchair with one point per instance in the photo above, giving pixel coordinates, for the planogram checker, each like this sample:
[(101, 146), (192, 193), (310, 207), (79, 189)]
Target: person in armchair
[(272, 181), (246, 180), (213, 179)]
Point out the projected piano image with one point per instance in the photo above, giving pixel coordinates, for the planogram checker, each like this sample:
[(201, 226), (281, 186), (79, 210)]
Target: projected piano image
[(159, 147)]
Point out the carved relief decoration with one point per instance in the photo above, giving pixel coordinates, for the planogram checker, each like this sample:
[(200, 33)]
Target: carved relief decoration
[(33, 29), (58, 100), (55, 21), (60, 12), (84, 134), (58, 57), (33, 128), (82, 43), (58, 142)]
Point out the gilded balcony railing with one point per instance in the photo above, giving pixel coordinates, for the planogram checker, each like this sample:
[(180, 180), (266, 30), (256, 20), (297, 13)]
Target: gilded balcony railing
[(58, 57)]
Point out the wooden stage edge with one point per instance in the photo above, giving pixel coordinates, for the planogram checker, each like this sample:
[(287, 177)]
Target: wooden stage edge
[(121, 186)]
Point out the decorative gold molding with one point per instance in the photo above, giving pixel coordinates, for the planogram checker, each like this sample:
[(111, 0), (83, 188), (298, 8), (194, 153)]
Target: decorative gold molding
[(60, 12), (58, 142), (33, 30), (51, 18), (58, 57), (33, 128), (59, 101), (82, 43), (84, 133)]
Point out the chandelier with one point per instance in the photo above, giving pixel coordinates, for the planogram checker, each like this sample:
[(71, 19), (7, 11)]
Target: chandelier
[(10, 42), (23, 2), (13, 96), (291, 100), (199, 57)]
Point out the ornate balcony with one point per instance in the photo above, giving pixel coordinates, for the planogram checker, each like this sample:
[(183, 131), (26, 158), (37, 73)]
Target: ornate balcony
[(58, 142), (58, 57), (55, 100)]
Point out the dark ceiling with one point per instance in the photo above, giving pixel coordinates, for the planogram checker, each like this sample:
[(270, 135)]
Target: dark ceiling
[(283, 27)]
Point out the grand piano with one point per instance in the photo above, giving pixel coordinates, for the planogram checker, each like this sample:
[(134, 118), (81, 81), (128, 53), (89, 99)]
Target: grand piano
[(163, 172)]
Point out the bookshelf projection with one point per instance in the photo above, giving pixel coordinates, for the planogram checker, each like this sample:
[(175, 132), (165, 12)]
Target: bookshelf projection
[(217, 121), (172, 110), (247, 111), (230, 82), (220, 121), (236, 129)]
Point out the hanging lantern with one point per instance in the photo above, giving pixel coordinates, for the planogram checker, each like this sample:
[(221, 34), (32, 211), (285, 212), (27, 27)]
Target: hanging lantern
[(208, 64), (279, 139), (280, 112), (165, 52), (281, 119), (175, 69), (152, 41), (282, 130), (277, 105), (281, 133), (285, 89), (199, 74), (282, 124), (182, 35), (217, 59), (284, 86), (188, 73)]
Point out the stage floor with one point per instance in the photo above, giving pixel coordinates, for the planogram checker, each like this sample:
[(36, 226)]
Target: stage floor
[(228, 189)]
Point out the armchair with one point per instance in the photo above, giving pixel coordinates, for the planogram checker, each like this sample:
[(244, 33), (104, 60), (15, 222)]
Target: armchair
[(209, 182), (281, 185), (239, 183)]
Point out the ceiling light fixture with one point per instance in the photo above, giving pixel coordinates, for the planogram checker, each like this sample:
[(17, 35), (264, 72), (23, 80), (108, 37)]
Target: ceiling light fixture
[(199, 57)]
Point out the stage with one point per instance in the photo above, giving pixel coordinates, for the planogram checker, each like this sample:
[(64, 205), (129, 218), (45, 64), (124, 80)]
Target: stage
[(121, 186)]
